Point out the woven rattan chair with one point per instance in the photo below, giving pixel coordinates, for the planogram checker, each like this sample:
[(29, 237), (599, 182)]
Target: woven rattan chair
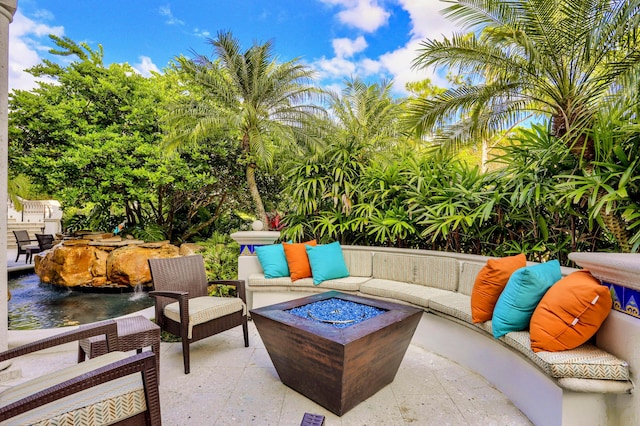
[(195, 315), (25, 245), (45, 241), (116, 388)]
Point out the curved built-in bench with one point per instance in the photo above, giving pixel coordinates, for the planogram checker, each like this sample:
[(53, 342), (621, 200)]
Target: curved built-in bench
[(584, 386)]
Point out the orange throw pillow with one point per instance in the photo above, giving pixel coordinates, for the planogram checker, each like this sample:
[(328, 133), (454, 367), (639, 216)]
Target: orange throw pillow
[(490, 282), (297, 259), (570, 313)]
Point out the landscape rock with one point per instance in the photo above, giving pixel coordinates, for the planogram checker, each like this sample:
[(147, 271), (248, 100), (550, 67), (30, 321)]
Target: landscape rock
[(87, 263)]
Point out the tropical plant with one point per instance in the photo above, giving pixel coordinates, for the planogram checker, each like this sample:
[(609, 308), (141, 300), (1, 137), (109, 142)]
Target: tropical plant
[(558, 59), (248, 94), (553, 59), (610, 188), (92, 141)]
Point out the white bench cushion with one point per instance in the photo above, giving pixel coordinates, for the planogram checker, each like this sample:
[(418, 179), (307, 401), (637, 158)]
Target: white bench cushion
[(359, 263), (584, 362), (455, 305), (416, 294), (351, 283)]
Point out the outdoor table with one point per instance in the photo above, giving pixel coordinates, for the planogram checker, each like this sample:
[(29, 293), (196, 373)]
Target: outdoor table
[(133, 333)]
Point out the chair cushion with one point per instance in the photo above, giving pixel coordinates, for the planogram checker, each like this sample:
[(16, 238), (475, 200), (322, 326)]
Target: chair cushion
[(273, 261), (110, 402), (327, 262), (297, 259), (205, 308)]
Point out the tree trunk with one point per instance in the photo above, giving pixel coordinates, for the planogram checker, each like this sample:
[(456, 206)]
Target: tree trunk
[(484, 159), (616, 226), (255, 195)]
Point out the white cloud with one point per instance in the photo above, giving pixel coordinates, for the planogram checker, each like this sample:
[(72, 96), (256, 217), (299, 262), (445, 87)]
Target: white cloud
[(201, 33), (171, 20), (25, 48), (146, 66), (366, 15), (346, 48), (335, 67), (426, 19), (426, 22)]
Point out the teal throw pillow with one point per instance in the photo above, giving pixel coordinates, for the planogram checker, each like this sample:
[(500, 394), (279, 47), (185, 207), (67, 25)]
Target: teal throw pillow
[(521, 295), (274, 263), (327, 262)]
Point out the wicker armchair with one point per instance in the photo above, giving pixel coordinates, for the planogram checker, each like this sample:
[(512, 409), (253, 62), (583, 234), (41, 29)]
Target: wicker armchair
[(115, 388), (45, 241), (25, 245), (183, 307)]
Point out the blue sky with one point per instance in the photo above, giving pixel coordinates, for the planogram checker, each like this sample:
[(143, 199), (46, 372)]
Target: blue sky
[(371, 39)]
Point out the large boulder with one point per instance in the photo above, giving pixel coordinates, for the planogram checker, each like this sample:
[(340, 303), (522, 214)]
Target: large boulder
[(129, 265), (68, 266), (108, 263)]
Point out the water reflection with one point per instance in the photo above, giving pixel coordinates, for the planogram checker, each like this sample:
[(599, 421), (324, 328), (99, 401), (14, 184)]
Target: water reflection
[(35, 306)]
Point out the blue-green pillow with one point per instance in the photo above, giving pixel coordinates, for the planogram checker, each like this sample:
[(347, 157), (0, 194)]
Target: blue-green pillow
[(521, 295), (327, 262), (274, 263)]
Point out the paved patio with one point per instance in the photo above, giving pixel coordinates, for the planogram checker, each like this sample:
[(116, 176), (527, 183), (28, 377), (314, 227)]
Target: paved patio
[(233, 385)]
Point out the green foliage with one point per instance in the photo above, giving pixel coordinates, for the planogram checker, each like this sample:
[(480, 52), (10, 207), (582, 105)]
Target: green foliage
[(558, 59), (609, 189), (264, 105), (440, 203), (92, 141), (221, 257)]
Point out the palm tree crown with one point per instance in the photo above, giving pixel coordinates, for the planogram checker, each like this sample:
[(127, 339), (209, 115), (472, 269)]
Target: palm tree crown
[(553, 58), (264, 102)]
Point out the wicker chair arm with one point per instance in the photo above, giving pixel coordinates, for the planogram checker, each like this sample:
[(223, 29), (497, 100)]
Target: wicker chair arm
[(140, 363), (107, 328), (239, 284), (172, 294)]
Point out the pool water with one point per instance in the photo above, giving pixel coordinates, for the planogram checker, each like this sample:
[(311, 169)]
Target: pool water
[(35, 306)]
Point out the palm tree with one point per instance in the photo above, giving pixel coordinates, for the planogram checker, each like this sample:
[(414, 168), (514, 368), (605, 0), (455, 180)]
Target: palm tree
[(551, 58), (557, 59), (263, 103)]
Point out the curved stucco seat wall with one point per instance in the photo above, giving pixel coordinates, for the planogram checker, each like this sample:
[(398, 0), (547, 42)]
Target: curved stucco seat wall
[(592, 385)]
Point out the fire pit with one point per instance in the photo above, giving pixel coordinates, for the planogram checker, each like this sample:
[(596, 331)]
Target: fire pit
[(335, 360)]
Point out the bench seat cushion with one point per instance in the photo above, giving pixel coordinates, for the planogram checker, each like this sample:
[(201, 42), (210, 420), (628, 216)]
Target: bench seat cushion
[(351, 283), (455, 305), (412, 293), (458, 306), (584, 362), (116, 400)]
